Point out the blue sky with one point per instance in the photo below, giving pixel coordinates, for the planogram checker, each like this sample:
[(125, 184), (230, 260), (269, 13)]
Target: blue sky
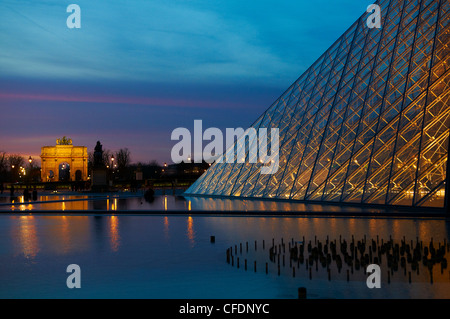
[(136, 70)]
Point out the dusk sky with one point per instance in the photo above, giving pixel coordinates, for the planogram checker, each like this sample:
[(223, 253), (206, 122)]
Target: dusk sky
[(136, 70)]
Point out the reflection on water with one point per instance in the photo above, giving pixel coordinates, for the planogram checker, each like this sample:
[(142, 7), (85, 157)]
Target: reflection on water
[(172, 257), (114, 230), (120, 202), (25, 233), (190, 230), (405, 260), (166, 227)]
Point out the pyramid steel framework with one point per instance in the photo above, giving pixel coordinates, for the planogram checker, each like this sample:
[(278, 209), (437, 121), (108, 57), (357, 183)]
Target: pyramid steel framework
[(367, 123)]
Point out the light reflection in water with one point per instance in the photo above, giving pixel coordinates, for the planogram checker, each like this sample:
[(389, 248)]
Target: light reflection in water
[(26, 234), (65, 234), (166, 227), (138, 237), (190, 230), (114, 233), (175, 203)]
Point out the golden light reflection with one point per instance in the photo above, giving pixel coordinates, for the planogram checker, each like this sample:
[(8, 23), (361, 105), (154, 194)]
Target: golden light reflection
[(165, 202), (65, 234), (114, 233), (166, 227), (190, 230), (189, 206), (28, 239)]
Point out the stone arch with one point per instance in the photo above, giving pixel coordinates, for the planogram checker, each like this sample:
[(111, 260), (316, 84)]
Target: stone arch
[(75, 156)]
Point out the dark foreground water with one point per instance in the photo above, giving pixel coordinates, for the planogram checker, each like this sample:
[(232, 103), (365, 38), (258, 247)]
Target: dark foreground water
[(164, 256)]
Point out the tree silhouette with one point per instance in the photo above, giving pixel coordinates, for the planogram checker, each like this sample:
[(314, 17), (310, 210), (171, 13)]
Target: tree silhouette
[(123, 158)]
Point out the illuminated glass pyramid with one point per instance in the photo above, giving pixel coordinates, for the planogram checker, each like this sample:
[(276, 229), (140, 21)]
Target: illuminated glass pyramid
[(368, 122)]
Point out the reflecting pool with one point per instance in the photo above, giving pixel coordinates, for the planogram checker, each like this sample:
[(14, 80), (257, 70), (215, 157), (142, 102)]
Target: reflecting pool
[(172, 256), (136, 202)]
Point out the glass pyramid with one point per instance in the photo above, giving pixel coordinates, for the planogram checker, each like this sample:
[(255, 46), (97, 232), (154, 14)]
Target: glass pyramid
[(367, 123)]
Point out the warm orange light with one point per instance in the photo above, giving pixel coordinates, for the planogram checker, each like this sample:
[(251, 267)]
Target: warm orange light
[(114, 229)]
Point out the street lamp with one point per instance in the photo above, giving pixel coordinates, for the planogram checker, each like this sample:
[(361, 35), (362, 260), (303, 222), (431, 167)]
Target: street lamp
[(112, 166), (29, 161), (13, 177)]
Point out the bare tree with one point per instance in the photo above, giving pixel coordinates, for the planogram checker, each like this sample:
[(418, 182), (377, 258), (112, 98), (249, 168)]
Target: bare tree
[(91, 158), (107, 157), (3, 165), (123, 158), (16, 160)]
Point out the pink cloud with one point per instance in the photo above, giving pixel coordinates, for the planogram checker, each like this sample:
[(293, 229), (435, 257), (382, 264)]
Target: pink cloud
[(152, 101)]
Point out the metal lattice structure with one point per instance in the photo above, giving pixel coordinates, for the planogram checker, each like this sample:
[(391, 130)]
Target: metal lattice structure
[(367, 123)]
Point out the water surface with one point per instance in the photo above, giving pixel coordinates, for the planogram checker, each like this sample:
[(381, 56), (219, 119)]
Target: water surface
[(167, 256)]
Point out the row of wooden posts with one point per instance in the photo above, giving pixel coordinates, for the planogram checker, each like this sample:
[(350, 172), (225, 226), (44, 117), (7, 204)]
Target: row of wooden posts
[(327, 252)]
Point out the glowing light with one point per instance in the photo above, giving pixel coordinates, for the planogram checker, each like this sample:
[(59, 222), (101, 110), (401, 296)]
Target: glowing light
[(114, 232), (190, 230), (28, 236), (166, 226)]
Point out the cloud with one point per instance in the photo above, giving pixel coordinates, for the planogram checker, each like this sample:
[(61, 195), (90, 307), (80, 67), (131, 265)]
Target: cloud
[(114, 99), (222, 61), (159, 40)]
